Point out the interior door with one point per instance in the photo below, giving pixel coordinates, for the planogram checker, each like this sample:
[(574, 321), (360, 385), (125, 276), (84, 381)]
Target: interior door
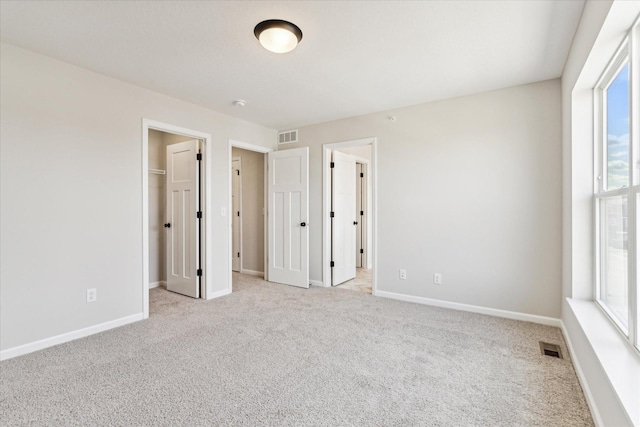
[(344, 221), (235, 214), (288, 206), (359, 214), (182, 228)]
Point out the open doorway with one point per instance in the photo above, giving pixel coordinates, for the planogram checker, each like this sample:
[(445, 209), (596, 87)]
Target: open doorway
[(175, 235), (174, 213), (248, 221), (349, 214), (285, 206), (248, 211)]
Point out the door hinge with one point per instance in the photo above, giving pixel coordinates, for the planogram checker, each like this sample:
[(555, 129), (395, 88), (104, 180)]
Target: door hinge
[(199, 156), (361, 175), (361, 213), (331, 214), (332, 165), (238, 172), (238, 213), (332, 264), (199, 272), (361, 251), (199, 214), (238, 254)]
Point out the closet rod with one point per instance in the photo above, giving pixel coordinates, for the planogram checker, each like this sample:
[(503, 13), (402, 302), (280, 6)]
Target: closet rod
[(158, 171)]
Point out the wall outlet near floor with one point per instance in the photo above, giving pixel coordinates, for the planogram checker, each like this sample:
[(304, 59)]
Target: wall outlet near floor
[(437, 278), (92, 295), (403, 274)]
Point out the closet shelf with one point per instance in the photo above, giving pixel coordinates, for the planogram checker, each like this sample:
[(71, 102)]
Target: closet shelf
[(157, 171)]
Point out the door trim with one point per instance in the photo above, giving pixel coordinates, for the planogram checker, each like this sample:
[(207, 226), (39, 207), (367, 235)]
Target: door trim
[(205, 202), (258, 149), (326, 207)]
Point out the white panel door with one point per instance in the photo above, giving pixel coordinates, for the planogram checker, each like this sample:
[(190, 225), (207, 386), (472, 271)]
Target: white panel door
[(343, 223), (288, 206), (182, 225), (360, 189), (235, 214)]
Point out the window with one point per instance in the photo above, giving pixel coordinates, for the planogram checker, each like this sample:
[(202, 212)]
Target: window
[(617, 130), (617, 187)]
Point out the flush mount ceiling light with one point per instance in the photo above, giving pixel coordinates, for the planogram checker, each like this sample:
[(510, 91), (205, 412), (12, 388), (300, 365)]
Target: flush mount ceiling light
[(277, 35)]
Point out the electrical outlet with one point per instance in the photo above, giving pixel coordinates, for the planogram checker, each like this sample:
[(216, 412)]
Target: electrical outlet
[(403, 274), (437, 278), (92, 295)]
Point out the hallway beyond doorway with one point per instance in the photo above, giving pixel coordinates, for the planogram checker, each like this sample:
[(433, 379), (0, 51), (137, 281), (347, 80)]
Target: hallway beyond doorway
[(361, 283)]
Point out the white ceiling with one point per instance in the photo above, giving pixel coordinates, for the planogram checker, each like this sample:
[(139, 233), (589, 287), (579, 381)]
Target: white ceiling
[(356, 57)]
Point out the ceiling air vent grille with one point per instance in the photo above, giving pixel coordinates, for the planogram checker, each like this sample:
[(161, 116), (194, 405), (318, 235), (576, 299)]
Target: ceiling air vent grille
[(288, 136)]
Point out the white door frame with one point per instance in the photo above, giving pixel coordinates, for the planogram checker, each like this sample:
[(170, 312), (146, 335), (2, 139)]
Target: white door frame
[(239, 159), (205, 202), (258, 149), (326, 207)]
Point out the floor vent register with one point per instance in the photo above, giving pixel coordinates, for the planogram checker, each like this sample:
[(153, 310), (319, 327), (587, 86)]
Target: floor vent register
[(552, 350)]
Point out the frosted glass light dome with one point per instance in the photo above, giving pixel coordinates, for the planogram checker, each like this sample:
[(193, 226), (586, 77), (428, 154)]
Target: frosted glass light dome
[(278, 36)]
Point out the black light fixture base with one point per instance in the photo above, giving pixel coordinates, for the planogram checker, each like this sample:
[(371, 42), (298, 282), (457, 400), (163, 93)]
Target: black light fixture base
[(277, 23)]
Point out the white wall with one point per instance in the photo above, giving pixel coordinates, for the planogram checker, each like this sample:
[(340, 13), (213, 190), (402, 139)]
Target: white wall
[(578, 161), (71, 182), (252, 205), (468, 187)]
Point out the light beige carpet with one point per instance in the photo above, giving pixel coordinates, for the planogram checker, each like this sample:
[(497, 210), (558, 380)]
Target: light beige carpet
[(276, 355)]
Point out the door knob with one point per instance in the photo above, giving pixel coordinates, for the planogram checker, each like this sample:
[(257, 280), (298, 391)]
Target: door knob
[(167, 225), (355, 222), (303, 224)]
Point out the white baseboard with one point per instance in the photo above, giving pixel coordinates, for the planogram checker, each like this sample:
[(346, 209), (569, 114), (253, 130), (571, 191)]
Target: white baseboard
[(66, 337), (316, 283), (252, 272), (591, 402), (551, 321), (219, 294), (161, 283)]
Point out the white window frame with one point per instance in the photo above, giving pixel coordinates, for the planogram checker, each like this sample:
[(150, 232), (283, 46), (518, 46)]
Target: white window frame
[(627, 53)]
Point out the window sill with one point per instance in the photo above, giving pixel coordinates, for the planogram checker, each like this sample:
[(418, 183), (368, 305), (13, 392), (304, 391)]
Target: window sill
[(618, 358)]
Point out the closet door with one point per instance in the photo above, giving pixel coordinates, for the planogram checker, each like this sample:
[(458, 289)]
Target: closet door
[(182, 226), (288, 191)]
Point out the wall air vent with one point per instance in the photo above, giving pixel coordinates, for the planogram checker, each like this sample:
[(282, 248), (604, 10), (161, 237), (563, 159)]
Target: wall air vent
[(288, 136)]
